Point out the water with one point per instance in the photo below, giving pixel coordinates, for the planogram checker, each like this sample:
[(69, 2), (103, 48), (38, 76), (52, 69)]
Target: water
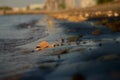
[(16, 30), (8, 24), (86, 58)]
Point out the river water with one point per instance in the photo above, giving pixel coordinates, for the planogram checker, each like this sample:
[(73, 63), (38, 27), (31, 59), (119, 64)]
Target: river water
[(19, 35)]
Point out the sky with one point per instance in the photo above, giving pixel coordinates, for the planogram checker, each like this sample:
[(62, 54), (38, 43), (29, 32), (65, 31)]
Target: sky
[(22, 3), (19, 3)]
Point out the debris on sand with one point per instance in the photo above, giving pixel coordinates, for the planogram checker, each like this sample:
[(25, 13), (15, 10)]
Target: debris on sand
[(109, 57), (97, 32), (44, 45), (27, 51)]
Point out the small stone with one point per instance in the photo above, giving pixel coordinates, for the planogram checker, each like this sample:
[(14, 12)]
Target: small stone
[(100, 44), (26, 51), (96, 32)]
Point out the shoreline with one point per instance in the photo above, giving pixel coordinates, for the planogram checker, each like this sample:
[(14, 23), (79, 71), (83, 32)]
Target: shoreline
[(35, 59), (35, 33)]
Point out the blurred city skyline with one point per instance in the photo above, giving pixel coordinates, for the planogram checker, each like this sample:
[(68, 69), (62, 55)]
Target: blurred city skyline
[(19, 3), (22, 3)]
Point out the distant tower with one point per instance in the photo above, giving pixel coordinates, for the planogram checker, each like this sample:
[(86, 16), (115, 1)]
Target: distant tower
[(61, 4), (54, 4), (47, 5)]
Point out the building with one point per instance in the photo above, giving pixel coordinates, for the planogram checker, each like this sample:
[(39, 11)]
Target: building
[(51, 4), (59, 4), (35, 6), (70, 4), (86, 3), (16, 9), (19, 9), (23, 8)]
